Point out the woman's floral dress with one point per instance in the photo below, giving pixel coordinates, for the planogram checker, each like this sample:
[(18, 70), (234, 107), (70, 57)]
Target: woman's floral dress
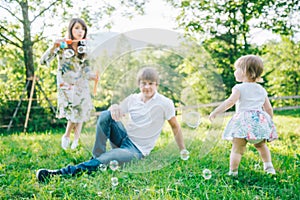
[(74, 99)]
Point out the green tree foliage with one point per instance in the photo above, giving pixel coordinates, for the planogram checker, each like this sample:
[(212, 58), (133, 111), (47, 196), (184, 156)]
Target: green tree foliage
[(186, 83), (282, 69), (202, 83), (20, 17), (22, 25), (24, 36), (120, 67), (12, 74), (224, 26)]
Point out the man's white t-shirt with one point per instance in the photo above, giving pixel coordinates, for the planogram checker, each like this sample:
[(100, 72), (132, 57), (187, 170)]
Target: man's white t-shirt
[(146, 119)]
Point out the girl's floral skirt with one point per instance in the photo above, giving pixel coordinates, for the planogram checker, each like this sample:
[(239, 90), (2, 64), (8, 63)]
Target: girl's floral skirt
[(253, 125)]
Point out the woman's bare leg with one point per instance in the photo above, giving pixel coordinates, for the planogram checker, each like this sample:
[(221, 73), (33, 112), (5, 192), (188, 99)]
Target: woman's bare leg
[(77, 130), (70, 126)]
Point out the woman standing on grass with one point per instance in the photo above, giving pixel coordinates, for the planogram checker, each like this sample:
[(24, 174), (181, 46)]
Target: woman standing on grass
[(252, 121), (74, 99)]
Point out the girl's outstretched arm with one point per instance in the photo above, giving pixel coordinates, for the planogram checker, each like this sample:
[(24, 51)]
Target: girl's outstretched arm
[(268, 107), (228, 103)]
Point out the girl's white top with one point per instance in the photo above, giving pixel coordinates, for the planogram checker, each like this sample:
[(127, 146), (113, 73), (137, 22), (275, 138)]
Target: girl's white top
[(252, 96)]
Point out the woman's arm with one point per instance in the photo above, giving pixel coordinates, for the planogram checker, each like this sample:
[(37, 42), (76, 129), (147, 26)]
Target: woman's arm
[(48, 56)]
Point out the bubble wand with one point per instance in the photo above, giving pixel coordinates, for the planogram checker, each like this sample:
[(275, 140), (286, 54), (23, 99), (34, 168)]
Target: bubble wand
[(65, 42), (96, 83)]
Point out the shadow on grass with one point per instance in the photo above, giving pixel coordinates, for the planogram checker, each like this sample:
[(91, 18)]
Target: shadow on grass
[(292, 113)]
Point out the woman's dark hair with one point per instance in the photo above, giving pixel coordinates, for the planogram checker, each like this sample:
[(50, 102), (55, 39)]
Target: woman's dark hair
[(71, 25)]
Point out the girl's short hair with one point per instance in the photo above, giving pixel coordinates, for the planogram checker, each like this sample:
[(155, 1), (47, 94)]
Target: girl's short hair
[(251, 65), (149, 74)]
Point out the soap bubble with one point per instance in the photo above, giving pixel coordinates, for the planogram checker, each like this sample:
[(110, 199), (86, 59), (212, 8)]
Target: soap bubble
[(99, 193), (114, 165), (206, 173), (191, 85), (192, 119), (68, 53), (257, 166), (83, 42), (212, 138), (81, 49), (102, 167), (184, 154), (114, 181)]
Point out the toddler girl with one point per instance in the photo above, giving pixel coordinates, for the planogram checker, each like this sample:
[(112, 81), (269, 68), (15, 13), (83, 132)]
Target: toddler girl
[(252, 121)]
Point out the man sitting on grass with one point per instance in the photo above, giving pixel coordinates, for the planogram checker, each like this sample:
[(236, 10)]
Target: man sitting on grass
[(148, 111)]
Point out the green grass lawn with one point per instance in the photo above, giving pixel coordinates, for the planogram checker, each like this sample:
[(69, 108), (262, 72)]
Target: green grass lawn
[(22, 154)]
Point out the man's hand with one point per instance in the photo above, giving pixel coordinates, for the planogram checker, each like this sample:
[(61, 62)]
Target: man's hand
[(115, 112)]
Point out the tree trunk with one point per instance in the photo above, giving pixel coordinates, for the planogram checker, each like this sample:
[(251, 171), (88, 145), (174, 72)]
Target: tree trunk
[(245, 26), (27, 48)]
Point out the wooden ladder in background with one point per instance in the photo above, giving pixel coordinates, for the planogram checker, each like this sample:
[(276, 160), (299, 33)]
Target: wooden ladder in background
[(34, 82)]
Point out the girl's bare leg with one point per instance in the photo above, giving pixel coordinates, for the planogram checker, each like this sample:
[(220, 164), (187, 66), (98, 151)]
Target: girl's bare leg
[(265, 154), (264, 151), (237, 150)]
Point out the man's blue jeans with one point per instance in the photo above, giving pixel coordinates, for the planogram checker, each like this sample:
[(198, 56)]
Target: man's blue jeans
[(123, 150)]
